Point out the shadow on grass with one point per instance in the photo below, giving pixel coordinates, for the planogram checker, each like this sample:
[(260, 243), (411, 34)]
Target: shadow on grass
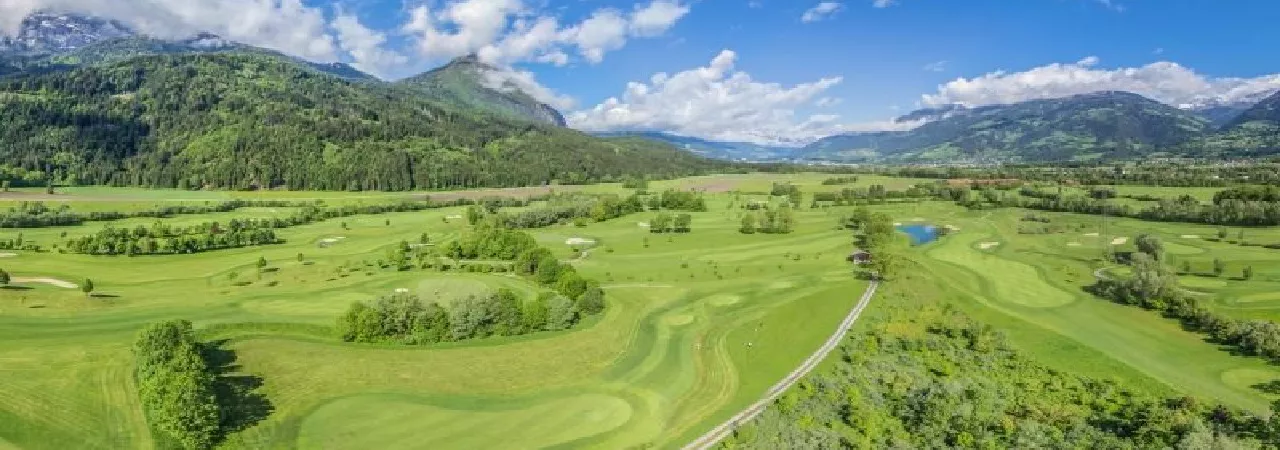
[(10, 287), (104, 295), (1270, 387), (239, 394)]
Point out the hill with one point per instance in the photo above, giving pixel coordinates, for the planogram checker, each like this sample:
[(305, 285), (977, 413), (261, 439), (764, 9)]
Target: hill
[(1103, 125), (468, 83), (243, 120), (734, 151), (1253, 132)]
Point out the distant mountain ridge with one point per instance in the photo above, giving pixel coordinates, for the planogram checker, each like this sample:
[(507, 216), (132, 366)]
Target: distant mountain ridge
[(1101, 125), (467, 82), (735, 151)]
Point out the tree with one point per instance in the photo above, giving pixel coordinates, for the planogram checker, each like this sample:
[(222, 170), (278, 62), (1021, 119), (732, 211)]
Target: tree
[(48, 187), (1219, 267), (562, 313), (885, 264), (1222, 233), (1247, 273), (4, 186), (300, 257), (262, 263), (1150, 245), (683, 223), (87, 287), (537, 312), (660, 223), (748, 224), (1186, 266), (592, 300), (4, 278)]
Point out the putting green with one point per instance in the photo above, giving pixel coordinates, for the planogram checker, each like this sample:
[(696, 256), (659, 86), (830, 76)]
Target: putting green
[(1249, 377), (385, 421), (446, 290), (723, 299), (1174, 248), (1201, 282), (1260, 297)]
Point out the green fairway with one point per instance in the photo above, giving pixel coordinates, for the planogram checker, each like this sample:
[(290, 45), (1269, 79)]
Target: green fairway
[(699, 325)]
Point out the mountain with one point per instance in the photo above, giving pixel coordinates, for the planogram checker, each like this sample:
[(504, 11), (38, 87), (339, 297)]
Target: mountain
[(733, 151), (43, 33), (1253, 132), (49, 42), (468, 83), (1102, 125), (246, 120)]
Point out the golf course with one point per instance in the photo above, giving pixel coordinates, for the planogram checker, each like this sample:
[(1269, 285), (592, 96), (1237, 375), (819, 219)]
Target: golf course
[(698, 325)]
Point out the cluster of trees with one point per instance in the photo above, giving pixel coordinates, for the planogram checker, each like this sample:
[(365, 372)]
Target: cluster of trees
[(529, 258), (243, 121), (1249, 193), (874, 194), (674, 200), (1149, 174), (1226, 211), (788, 190), (834, 181), (562, 208), (668, 223), (162, 239), (958, 384), (876, 235), (1153, 286), (176, 385), (779, 220), (404, 318), (18, 243)]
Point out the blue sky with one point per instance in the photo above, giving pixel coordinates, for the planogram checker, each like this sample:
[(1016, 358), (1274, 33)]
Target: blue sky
[(767, 71)]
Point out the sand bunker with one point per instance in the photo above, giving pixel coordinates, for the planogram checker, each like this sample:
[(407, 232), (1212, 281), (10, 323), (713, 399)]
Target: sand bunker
[(579, 241), (453, 216), (917, 219), (402, 291), (951, 227), (45, 280), (1119, 241), (1091, 234), (8, 255), (988, 245), (1185, 236), (897, 224), (332, 240), (642, 224)]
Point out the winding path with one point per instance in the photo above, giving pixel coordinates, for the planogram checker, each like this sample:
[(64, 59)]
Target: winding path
[(723, 430)]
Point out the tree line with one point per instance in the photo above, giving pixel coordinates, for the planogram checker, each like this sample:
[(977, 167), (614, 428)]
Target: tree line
[(176, 385), (1154, 286)]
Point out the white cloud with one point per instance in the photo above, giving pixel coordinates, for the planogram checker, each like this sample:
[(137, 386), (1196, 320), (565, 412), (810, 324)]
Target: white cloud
[(285, 25), (884, 3), (656, 18), (820, 11), (510, 31), (715, 102), (365, 46), (1165, 81), (937, 66), (506, 79)]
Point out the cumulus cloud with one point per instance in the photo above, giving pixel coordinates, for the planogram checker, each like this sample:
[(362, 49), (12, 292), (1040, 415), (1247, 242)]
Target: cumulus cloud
[(936, 66), (366, 46), (820, 11), (510, 31), (716, 102), (1164, 81), (285, 25), (507, 79)]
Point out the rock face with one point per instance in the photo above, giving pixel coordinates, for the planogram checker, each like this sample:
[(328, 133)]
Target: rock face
[(468, 83)]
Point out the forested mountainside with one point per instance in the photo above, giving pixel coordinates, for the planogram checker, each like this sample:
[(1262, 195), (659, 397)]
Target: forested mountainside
[(1103, 125), (241, 120), (470, 84)]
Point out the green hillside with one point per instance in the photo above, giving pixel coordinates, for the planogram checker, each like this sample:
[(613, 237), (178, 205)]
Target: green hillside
[(240, 120), (465, 82)]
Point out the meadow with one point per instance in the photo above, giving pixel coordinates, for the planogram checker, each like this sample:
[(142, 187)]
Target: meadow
[(698, 324)]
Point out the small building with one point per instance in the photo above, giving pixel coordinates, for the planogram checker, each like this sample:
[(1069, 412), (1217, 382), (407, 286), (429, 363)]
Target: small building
[(860, 257)]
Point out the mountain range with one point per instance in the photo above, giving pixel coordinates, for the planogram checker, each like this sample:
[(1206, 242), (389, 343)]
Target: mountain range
[(727, 150), (89, 101)]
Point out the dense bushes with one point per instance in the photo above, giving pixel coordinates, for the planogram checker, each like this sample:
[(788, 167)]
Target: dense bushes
[(935, 379), (778, 220), (176, 385)]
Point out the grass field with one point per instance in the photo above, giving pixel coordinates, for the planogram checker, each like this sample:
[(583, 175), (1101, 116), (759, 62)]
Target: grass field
[(699, 325)]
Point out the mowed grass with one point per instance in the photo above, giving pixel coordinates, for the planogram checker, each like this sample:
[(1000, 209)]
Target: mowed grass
[(667, 359)]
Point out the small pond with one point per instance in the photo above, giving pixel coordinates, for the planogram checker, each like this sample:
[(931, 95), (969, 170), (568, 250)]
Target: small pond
[(920, 233)]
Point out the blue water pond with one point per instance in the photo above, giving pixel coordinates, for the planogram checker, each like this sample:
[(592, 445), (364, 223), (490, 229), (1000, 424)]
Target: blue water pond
[(920, 233)]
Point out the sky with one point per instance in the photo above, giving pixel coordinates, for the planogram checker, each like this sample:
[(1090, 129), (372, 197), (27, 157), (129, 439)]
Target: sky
[(775, 72)]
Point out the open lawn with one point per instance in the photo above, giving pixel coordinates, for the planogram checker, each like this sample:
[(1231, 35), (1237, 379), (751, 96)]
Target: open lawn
[(698, 326)]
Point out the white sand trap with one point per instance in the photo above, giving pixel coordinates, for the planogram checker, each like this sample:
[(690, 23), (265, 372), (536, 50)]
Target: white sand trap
[(897, 224), (453, 216), (332, 240), (917, 219), (579, 241), (1073, 244), (951, 227), (45, 280), (988, 245), (402, 291), (642, 224), (1091, 234), (1119, 241), (8, 255), (1185, 236)]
